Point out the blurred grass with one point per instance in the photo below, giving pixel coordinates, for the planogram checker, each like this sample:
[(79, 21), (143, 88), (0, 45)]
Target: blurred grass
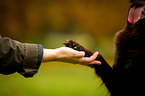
[(92, 23), (55, 79), (61, 79)]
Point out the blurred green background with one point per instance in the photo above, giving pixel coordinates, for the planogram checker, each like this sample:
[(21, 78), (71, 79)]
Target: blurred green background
[(93, 23)]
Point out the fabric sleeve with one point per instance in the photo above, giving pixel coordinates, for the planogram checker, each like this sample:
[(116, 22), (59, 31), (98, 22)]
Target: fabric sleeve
[(19, 57)]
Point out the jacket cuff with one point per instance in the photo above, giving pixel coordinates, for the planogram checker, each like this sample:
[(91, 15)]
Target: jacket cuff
[(32, 59)]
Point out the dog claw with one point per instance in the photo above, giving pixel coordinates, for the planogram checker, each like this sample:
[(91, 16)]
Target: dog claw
[(66, 44), (75, 47)]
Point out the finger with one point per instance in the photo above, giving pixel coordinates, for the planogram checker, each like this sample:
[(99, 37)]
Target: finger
[(94, 62), (94, 56), (74, 53), (89, 59), (78, 54), (91, 63)]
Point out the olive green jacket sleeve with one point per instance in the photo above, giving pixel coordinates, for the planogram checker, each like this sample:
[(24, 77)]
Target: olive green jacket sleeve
[(19, 57)]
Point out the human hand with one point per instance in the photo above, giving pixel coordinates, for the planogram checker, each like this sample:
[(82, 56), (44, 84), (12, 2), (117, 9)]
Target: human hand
[(65, 54)]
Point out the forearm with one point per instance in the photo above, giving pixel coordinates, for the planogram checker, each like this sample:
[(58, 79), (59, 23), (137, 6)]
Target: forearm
[(26, 58), (105, 72)]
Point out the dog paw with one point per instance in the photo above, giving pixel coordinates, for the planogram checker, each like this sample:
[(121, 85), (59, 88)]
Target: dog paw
[(74, 45)]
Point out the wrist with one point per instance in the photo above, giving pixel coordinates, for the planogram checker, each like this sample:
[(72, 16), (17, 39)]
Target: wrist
[(49, 55)]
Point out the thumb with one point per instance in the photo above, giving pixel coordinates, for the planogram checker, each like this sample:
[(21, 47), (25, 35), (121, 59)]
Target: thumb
[(78, 54)]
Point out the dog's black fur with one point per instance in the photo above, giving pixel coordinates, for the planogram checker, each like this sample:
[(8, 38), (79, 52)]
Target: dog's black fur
[(126, 77)]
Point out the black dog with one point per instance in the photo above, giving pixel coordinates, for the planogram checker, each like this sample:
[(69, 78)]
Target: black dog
[(126, 77)]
